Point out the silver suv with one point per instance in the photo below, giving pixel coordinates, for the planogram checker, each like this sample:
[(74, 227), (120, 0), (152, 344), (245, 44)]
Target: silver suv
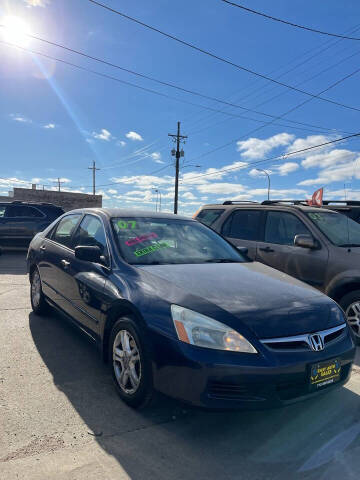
[(318, 246)]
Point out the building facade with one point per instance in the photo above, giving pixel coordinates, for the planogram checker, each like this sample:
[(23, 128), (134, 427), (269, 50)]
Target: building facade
[(66, 200)]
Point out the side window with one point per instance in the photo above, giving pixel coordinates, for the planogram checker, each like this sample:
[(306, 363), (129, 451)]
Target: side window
[(209, 215), (243, 224), (22, 211), (91, 232), (282, 227), (2, 211), (64, 230)]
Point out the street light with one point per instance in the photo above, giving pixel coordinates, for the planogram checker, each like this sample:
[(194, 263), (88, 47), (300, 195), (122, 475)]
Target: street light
[(158, 195), (268, 177)]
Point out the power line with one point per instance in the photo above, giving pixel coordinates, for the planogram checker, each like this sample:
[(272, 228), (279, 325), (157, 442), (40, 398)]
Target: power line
[(279, 157), (221, 59), (147, 77), (286, 22), (155, 92), (279, 117)]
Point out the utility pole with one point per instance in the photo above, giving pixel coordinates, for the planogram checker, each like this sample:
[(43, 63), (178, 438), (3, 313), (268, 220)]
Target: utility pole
[(268, 177), (177, 154), (93, 168), (59, 182)]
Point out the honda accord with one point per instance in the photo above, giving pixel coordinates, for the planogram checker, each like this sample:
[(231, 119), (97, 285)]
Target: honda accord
[(175, 308)]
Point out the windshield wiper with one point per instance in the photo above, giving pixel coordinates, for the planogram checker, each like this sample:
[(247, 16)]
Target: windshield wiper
[(349, 245), (222, 260)]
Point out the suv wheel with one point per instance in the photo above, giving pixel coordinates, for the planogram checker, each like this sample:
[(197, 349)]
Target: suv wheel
[(351, 305), (130, 363), (38, 302)]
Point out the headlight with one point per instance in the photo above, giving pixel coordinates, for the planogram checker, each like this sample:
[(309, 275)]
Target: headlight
[(196, 329)]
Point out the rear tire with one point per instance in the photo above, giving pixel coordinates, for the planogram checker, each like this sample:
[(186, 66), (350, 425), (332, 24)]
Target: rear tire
[(351, 306), (131, 364), (38, 302)]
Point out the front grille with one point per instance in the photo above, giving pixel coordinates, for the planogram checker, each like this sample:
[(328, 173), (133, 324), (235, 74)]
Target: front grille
[(302, 342), (230, 391)]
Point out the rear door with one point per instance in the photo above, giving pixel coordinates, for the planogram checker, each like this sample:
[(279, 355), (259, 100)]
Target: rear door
[(55, 256), (242, 228), (278, 250)]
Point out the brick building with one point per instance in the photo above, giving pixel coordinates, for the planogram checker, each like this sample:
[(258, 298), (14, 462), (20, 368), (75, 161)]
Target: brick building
[(66, 200)]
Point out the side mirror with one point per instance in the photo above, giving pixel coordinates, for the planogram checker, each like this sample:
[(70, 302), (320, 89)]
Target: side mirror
[(243, 250), (305, 241), (88, 253)]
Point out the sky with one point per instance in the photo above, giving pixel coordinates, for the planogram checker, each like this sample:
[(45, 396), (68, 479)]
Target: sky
[(56, 119)]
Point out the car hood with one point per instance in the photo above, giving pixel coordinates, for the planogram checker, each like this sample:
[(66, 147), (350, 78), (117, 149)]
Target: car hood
[(268, 302)]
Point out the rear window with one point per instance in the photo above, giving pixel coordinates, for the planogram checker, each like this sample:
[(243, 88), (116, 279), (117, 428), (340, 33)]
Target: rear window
[(209, 215)]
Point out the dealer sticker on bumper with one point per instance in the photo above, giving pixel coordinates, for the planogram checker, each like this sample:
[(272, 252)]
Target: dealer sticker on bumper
[(325, 373)]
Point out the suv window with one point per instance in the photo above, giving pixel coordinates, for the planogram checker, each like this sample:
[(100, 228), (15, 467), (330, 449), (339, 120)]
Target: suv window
[(243, 224), (282, 227), (22, 211), (209, 215), (65, 229), (91, 232), (2, 211)]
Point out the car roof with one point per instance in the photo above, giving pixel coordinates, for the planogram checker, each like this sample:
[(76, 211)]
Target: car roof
[(264, 206), (30, 204), (129, 212)]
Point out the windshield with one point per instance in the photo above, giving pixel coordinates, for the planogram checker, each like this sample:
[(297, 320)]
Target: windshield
[(339, 229), (156, 241)]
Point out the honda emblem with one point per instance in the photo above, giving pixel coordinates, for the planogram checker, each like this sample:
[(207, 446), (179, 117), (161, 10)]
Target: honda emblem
[(316, 342)]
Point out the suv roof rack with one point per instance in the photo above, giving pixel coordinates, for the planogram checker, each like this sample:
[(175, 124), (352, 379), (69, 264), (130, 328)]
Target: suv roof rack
[(292, 202), (23, 202), (234, 202), (342, 202)]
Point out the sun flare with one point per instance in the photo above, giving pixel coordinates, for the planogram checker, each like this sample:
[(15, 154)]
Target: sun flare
[(16, 31)]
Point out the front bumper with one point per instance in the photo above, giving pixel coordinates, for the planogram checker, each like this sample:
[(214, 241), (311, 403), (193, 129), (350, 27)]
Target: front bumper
[(220, 380)]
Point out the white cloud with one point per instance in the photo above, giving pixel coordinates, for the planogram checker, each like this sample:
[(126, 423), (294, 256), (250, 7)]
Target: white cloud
[(255, 173), (49, 126), (103, 135), (20, 118), (189, 196), (286, 168), (310, 141), (156, 156), (211, 174), (221, 188), (332, 158), (62, 180), (144, 181), (121, 143), (257, 148), (37, 3), (335, 173), (134, 136), (112, 191)]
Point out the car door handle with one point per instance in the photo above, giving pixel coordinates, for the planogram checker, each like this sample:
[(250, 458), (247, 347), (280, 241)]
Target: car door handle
[(43, 248), (65, 264), (266, 249)]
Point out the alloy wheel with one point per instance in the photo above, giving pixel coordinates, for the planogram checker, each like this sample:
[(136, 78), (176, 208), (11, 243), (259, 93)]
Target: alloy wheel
[(126, 361), (353, 316)]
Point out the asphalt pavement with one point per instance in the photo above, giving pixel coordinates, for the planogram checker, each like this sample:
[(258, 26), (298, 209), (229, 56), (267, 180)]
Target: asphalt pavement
[(61, 419)]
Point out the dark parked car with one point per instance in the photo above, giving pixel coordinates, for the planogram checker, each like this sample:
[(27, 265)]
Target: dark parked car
[(20, 221), (318, 246), (176, 308)]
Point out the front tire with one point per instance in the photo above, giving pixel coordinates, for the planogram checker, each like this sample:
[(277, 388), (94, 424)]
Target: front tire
[(38, 302), (130, 362), (351, 306)]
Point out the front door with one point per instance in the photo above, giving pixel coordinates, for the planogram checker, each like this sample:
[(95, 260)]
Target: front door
[(278, 250), (85, 287)]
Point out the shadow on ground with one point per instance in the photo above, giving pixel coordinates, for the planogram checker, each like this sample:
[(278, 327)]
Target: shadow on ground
[(318, 439), (13, 263)]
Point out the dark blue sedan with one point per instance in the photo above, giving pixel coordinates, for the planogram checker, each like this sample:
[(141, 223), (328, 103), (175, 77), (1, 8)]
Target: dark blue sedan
[(175, 308)]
